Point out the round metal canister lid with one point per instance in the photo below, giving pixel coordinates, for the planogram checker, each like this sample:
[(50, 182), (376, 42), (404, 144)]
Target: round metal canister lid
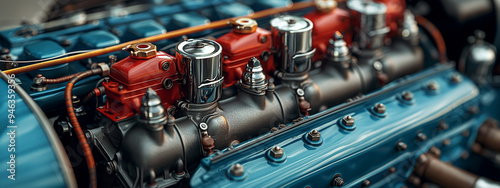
[(367, 8), (291, 24), (199, 48)]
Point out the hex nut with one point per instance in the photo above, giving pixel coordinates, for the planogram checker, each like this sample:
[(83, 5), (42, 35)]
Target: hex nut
[(237, 170), (379, 108), (276, 152), (314, 135), (348, 121), (407, 95), (433, 86)]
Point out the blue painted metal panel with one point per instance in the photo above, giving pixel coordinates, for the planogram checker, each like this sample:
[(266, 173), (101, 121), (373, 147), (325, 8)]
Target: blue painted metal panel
[(34, 154), (365, 152)]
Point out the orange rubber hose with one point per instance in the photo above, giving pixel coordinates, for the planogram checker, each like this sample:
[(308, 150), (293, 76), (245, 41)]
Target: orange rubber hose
[(76, 125), (171, 34), (438, 38)]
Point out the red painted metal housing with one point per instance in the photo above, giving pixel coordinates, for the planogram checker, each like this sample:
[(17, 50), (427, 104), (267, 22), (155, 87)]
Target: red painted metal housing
[(129, 80), (237, 49), (325, 25)]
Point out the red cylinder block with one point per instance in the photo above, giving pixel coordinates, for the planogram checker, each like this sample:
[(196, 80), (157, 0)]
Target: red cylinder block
[(238, 48), (325, 25), (129, 80)]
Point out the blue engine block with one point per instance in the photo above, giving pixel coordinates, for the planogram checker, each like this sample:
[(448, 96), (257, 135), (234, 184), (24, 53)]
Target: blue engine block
[(367, 150)]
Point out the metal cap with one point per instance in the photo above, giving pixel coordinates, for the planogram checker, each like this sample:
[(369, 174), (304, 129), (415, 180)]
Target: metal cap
[(291, 24), (199, 48), (325, 6), (371, 22), (244, 25), (141, 50), (253, 77), (151, 113), (203, 69), (293, 36)]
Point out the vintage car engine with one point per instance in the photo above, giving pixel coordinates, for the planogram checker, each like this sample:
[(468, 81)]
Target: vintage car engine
[(261, 93)]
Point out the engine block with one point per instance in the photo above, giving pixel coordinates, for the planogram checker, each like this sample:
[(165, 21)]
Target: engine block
[(262, 93)]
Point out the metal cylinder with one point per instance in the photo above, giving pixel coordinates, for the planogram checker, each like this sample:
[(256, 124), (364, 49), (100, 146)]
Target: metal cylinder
[(293, 38), (203, 70), (489, 135), (479, 58), (369, 20), (443, 174)]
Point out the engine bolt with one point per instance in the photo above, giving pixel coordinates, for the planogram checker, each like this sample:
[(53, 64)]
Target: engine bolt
[(401, 146), (365, 183), (111, 167), (237, 170), (421, 136), (165, 66), (314, 135), (456, 78), (120, 87), (442, 125), (274, 129), (432, 86), (281, 126), (446, 142), (407, 95), (379, 108), (337, 181), (276, 152), (348, 121)]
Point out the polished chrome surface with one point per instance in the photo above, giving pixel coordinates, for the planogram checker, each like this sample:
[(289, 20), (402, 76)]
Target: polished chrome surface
[(203, 69), (253, 77), (295, 42), (372, 24)]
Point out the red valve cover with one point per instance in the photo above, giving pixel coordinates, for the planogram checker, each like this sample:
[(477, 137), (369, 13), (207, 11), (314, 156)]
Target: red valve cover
[(324, 28), (136, 76), (237, 49)]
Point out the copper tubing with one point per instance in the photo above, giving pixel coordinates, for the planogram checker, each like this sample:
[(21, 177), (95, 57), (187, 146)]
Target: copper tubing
[(170, 34), (76, 125), (489, 135), (443, 174), (57, 80), (94, 93), (438, 38)]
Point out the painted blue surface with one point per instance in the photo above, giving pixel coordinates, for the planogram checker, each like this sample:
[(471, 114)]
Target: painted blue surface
[(42, 50), (366, 152), (36, 164)]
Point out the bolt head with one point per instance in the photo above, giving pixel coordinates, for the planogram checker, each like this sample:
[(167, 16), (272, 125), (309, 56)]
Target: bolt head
[(379, 108), (165, 66), (276, 152), (348, 121), (402, 146), (314, 135), (456, 78), (407, 95), (338, 182), (237, 170), (274, 129), (421, 136), (432, 86)]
